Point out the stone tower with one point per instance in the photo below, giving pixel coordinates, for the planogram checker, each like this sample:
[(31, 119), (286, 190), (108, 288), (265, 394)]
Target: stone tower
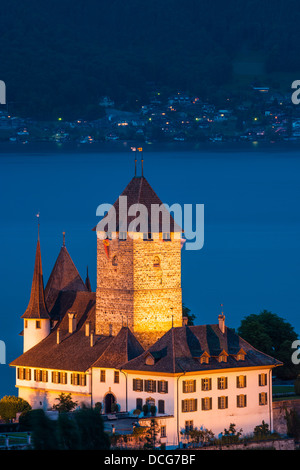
[(138, 272)]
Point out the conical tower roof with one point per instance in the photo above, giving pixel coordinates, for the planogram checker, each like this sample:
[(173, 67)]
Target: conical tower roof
[(64, 277), (37, 306), (139, 191)]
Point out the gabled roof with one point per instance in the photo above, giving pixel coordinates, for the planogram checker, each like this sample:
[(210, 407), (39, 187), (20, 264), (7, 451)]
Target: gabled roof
[(139, 191), (37, 306), (180, 349), (64, 277), (122, 349)]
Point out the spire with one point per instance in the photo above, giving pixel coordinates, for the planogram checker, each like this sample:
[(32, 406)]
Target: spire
[(64, 277), (37, 307), (87, 281)]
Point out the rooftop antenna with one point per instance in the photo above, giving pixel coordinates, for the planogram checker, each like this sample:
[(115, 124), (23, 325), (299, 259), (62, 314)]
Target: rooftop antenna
[(38, 217), (64, 238), (135, 160), (140, 149)]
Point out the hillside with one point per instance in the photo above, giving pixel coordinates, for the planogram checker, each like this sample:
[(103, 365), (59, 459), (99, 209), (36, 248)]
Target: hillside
[(59, 57)]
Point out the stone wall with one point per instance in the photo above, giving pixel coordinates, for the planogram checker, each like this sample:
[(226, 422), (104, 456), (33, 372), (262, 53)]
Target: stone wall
[(279, 407), (139, 285)]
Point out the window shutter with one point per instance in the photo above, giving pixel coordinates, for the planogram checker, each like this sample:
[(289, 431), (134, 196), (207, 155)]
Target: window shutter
[(154, 385), (265, 379), (226, 402), (226, 382), (134, 384), (196, 404), (182, 406), (245, 380), (194, 385), (166, 386), (245, 400), (35, 374), (259, 380)]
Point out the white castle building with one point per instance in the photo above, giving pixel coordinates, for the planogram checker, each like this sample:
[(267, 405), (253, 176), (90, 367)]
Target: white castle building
[(127, 343)]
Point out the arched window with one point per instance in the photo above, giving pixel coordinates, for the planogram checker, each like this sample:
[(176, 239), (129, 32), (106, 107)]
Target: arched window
[(115, 261), (156, 262)]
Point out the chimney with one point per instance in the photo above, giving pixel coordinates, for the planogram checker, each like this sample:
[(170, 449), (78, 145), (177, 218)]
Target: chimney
[(221, 319), (58, 336), (185, 321), (72, 322), (87, 328), (92, 338)]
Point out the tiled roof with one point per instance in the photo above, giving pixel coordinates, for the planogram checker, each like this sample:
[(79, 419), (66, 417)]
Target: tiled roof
[(139, 191), (74, 351), (36, 307), (122, 349), (64, 277), (180, 349)]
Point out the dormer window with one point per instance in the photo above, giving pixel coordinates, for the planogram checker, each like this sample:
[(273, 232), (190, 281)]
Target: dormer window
[(204, 359), (240, 356), (156, 262), (223, 356), (149, 360)]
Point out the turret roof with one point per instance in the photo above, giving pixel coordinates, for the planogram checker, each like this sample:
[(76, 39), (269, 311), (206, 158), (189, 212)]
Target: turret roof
[(37, 307)]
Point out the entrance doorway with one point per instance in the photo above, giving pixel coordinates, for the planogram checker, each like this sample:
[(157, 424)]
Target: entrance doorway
[(109, 400)]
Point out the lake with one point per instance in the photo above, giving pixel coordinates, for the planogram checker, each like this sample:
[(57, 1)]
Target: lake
[(250, 192)]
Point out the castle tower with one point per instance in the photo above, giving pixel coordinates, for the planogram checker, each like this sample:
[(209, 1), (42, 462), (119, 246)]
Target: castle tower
[(36, 317), (139, 273)]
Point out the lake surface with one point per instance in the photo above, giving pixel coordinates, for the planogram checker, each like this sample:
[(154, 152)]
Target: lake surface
[(251, 195)]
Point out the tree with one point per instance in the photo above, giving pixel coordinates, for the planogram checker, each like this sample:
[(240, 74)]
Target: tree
[(90, 425), (186, 312), (262, 430), (11, 405), (65, 403), (231, 435), (274, 336), (151, 439), (43, 431)]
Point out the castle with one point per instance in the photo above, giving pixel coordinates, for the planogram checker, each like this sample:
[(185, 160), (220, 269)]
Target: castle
[(127, 344)]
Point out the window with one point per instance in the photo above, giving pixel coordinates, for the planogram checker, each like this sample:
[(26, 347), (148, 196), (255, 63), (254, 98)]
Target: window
[(189, 386), (241, 401), (139, 404), (116, 377), (149, 360), (206, 403), (262, 380), (241, 381), (162, 386), (206, 384), (222, 358), (114, 261), (137, 385), (222, 403), (263, 398), (163, 431), (38, 324), (240, 356), (26, 323), (189, 425), (24, 373), (222, 383), (167, 236), (59, 377), (40, 375), (150, 386), (204, 359), (102, 375), (161, 407), (147, 236), (189, 405), (156, 262), (78, 379), (123, 236)]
